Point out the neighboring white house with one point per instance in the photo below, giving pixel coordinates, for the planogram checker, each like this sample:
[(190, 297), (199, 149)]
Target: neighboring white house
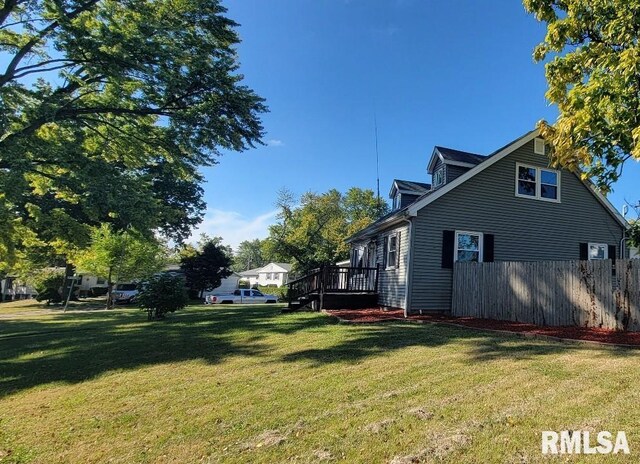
[(634, 253), (250, 276), (274, 274)]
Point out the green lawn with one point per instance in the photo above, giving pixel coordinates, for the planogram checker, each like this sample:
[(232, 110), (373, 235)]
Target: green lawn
[(248, 384)]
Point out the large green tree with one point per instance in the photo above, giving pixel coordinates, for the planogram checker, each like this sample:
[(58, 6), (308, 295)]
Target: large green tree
[(205, 269), (592, 50), (107, 110), (250, 254), (312, 230), (120, 256)]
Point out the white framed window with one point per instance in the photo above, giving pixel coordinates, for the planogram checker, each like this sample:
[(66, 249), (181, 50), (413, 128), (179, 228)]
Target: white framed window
[(396, 201), (537, 183), (468, 246), (438, 177), (539, 146), (598, 251), (392, 251)]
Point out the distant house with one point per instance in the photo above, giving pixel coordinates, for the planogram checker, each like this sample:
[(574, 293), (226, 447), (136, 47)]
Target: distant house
[(250, 276), (274, 274), (271, 275), (510, 205)]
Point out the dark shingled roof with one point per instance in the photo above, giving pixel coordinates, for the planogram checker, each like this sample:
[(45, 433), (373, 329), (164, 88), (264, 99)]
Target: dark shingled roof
[(419, 187), (460, 156)]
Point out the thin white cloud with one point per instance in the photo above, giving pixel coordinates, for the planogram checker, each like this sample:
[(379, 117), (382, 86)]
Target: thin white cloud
[(275, 143), (233, 227)]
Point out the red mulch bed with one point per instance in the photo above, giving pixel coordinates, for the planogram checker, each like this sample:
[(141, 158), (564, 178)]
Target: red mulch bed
[(567, 332)]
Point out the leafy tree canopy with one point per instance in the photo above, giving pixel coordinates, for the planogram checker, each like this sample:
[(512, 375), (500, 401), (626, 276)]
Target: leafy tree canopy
[(313, 230), (120, 256), (205, 269), (250, 254), (108, 109), (594, 78)]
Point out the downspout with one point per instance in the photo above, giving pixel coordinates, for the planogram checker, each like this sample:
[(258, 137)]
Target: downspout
[(623, 244), (407, 273)]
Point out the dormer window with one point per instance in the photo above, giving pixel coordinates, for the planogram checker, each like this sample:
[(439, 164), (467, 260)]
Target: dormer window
[(438, 177), (396, 202)]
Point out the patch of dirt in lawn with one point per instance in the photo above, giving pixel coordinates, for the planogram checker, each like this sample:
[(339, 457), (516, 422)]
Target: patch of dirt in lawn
[(377, 427), (322, 455), (265, 439), (421, 413), (442, 446), (373, 315)]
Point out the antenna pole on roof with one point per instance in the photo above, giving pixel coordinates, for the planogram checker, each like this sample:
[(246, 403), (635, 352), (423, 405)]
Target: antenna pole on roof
[(375, 125)]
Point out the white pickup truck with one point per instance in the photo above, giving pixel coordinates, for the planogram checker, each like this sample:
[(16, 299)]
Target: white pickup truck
[(241, 296)]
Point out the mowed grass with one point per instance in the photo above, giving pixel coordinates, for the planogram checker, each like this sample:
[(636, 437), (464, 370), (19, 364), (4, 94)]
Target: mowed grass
[(248, 384)]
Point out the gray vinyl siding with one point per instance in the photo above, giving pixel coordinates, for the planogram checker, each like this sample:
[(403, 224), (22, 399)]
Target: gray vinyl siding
[(525, 229), (453, 172), (392, 282), (407, 199)]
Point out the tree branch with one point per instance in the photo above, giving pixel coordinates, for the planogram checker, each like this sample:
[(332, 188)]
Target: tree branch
[(10, 71)]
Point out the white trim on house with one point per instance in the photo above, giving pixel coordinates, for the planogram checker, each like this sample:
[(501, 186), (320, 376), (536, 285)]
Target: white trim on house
[(538, 182), (413, 209), (480, 236)]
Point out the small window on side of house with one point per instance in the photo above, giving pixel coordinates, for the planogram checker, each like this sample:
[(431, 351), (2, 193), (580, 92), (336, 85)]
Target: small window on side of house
[(438, 177), (396, 201), (392, 250), (468, 247), (598, 251), (538, 146)]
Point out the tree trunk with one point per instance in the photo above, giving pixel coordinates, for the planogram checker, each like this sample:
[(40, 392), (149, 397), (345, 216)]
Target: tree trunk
[(69, 282), (109, 289)]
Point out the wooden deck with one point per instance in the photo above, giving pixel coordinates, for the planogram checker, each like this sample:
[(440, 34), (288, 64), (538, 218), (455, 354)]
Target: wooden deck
[(335, 287)]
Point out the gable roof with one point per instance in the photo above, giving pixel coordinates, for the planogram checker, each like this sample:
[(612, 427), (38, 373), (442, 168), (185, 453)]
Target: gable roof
[(409, 186), (432, 195), (454, 157), (284, 266), (250, 272)]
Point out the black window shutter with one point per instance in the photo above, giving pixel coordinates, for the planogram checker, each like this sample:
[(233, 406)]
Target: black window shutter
[(398, 250), (487, 248), (612, 253), (448, 238), (384, 251), (584, 251)]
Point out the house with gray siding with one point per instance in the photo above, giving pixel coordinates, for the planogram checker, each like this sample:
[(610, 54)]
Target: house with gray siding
[(510, 205)]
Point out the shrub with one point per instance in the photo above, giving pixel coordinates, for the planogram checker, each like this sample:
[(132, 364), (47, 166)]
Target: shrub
[(280, 292), (162, 294), (48, 283)]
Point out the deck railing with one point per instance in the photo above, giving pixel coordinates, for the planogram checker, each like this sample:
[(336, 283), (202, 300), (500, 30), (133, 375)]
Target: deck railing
[(334, 279)]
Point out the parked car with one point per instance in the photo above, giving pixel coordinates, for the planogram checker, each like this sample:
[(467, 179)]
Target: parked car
[(125, 293), (244, 296)]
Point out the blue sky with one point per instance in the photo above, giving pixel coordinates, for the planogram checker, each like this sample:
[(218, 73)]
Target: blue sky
[(452, 73)]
